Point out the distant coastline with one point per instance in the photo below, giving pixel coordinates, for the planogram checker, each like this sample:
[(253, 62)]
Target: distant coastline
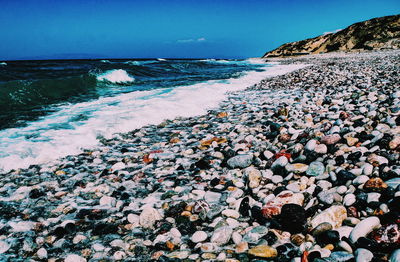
[(374, 34)]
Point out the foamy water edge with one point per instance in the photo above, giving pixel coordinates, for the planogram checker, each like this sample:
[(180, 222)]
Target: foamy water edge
[(120, 114)]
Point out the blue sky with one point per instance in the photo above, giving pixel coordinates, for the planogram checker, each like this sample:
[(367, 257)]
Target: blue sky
[(171, 28)]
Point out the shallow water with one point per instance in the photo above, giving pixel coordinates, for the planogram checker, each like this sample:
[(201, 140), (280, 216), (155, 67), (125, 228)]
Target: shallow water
[(51, 109)]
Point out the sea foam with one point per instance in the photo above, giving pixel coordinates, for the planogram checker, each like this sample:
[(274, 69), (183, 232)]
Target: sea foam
[(117, 76), (110, 115)]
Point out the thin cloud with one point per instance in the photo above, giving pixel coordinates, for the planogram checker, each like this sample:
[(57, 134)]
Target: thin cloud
[(332, 32), (192, 40)]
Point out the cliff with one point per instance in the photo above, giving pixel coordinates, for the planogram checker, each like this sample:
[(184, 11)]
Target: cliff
[(376, 33)]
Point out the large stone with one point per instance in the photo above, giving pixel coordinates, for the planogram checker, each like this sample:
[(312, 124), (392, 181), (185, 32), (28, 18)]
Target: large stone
[(148, 217), (254, 177), (118, 166), (395, 257), (273, 207), (222, 235), (377, 160), (394, 182), (240, 161), (212, 197), (364, 228), (293, 218), (4, 246), (333, 215), (74, 258), (263, 251), (179, 254), (316, 168), (199, 236), (296, 168), (330, 139), (375, 184), (282, 161), (394, 143)]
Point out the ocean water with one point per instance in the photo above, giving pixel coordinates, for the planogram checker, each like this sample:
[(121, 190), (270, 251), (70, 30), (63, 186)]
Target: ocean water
[(50, 109)]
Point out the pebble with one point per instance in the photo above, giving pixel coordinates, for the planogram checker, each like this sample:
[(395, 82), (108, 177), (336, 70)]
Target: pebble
[(222, 235), (74, 258), (394, 182), (4, 246), (212, 197), (349, 199), (254, 177), (330, 139), (148, 217), (333, 215), (363, 255), (315, 169), (296, 168), (395, 257), (240, 161), (263, 251), (42, 253), (295, 163), (199, 236), (364, 227), (231, 213), (280, 162)]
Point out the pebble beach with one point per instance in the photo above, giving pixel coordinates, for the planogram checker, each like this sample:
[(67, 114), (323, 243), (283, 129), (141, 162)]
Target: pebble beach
[(299, 167)]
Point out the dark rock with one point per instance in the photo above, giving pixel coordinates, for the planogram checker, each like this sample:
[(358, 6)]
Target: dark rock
[(271, 135), (168, 194), (9, 210), (203, 164), (343, 176), (394, 204), (311, 156), (257, 215), (313, 255), (287, 251), (214, 182), (279, 189), (185, 226), (339, 160), (164, 227), (325, 226), (104, 228), (271, 238), (387, 175), (390, 217), (59, 232), (328, 237), (70, 228), (36, 193), (243, 257), (354, 156), (124, 150), (367, 243), (244, 208), (293, 218), (175, 210)]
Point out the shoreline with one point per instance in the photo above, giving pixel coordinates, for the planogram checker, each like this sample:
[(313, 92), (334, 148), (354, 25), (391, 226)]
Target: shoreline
[(287, 168), (132, 110)]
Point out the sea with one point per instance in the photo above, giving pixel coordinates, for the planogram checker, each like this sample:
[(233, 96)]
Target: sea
[(54, 108)]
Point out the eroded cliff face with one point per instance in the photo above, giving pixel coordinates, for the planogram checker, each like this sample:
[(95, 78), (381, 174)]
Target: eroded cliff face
[(376, 33)]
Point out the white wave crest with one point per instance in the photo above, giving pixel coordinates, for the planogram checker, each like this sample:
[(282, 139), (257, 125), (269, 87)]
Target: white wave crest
[(161, 59), (132, 63), (3, 63), (117, 76), (110, 115), (105, 61)]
